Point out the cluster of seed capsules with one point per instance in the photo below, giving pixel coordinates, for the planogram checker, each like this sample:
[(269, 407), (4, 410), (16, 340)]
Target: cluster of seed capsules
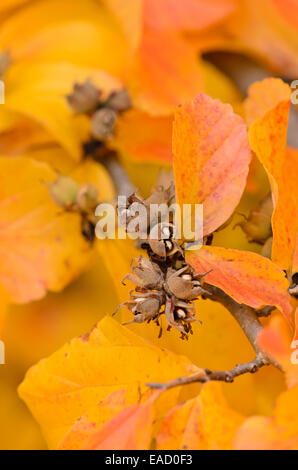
[(165, 284)]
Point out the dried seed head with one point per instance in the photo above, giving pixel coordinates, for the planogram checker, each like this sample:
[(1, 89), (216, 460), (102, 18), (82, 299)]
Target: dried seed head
[(103, 123), (146, 274), (148, 307), (87, 197), (182, 284), (160, 195), (119, 101), (64, 191), (84, 98)]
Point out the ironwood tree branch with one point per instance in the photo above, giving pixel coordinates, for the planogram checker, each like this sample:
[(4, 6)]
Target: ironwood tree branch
[(248, 320), (118, 174)]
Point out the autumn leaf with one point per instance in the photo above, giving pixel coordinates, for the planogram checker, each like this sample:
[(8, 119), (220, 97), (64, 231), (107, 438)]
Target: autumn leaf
[(89, 424), (62, 388), (144, 138), (82, 33), (169, 15), (260, 30), (267, 108), (277, 433), (211, 158), (282, 346), (39, 93), (42, 248), (203, 423), (165, 72), (130, 429), (247, 277)]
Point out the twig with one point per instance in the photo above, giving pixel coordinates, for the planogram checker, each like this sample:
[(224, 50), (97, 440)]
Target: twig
[(118, 174), (223, 376), (247, 318)]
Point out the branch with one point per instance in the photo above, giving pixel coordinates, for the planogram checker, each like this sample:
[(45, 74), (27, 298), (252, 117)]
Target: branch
[(118, 174), (247, 318), (223, 376)]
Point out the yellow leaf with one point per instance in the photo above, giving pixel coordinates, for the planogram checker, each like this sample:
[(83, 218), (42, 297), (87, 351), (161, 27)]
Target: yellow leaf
[(83, 32), (38, 92), (62, 388), (42, 248)]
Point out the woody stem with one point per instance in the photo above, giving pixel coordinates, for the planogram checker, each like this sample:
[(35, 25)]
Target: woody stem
[(118, 174), (247, 318), (205, 375)]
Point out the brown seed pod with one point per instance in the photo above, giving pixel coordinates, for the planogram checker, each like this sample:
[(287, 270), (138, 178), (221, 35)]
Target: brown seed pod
[(180, 315), (145, 274), (103, 123), (119, 101), (84, 98), (144, 305), (182, 284)]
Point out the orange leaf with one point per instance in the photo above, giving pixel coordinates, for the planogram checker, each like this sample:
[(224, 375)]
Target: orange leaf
[(246, 276), (165, 73), (264, 96), (170, 15), (277, 341), (144, 138), (204, 423), (268, 109), (277, 433), (42, 247), (211, 158)]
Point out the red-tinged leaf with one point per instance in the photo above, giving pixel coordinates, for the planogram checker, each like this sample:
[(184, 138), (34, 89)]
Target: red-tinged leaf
[(173, 15), (267, 109), (246, 276), (285, 215), (166, 72), (289, 10), (144, 138), (130, 429), (211, 158), (279, 344), (91, 422), (203, 423)]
